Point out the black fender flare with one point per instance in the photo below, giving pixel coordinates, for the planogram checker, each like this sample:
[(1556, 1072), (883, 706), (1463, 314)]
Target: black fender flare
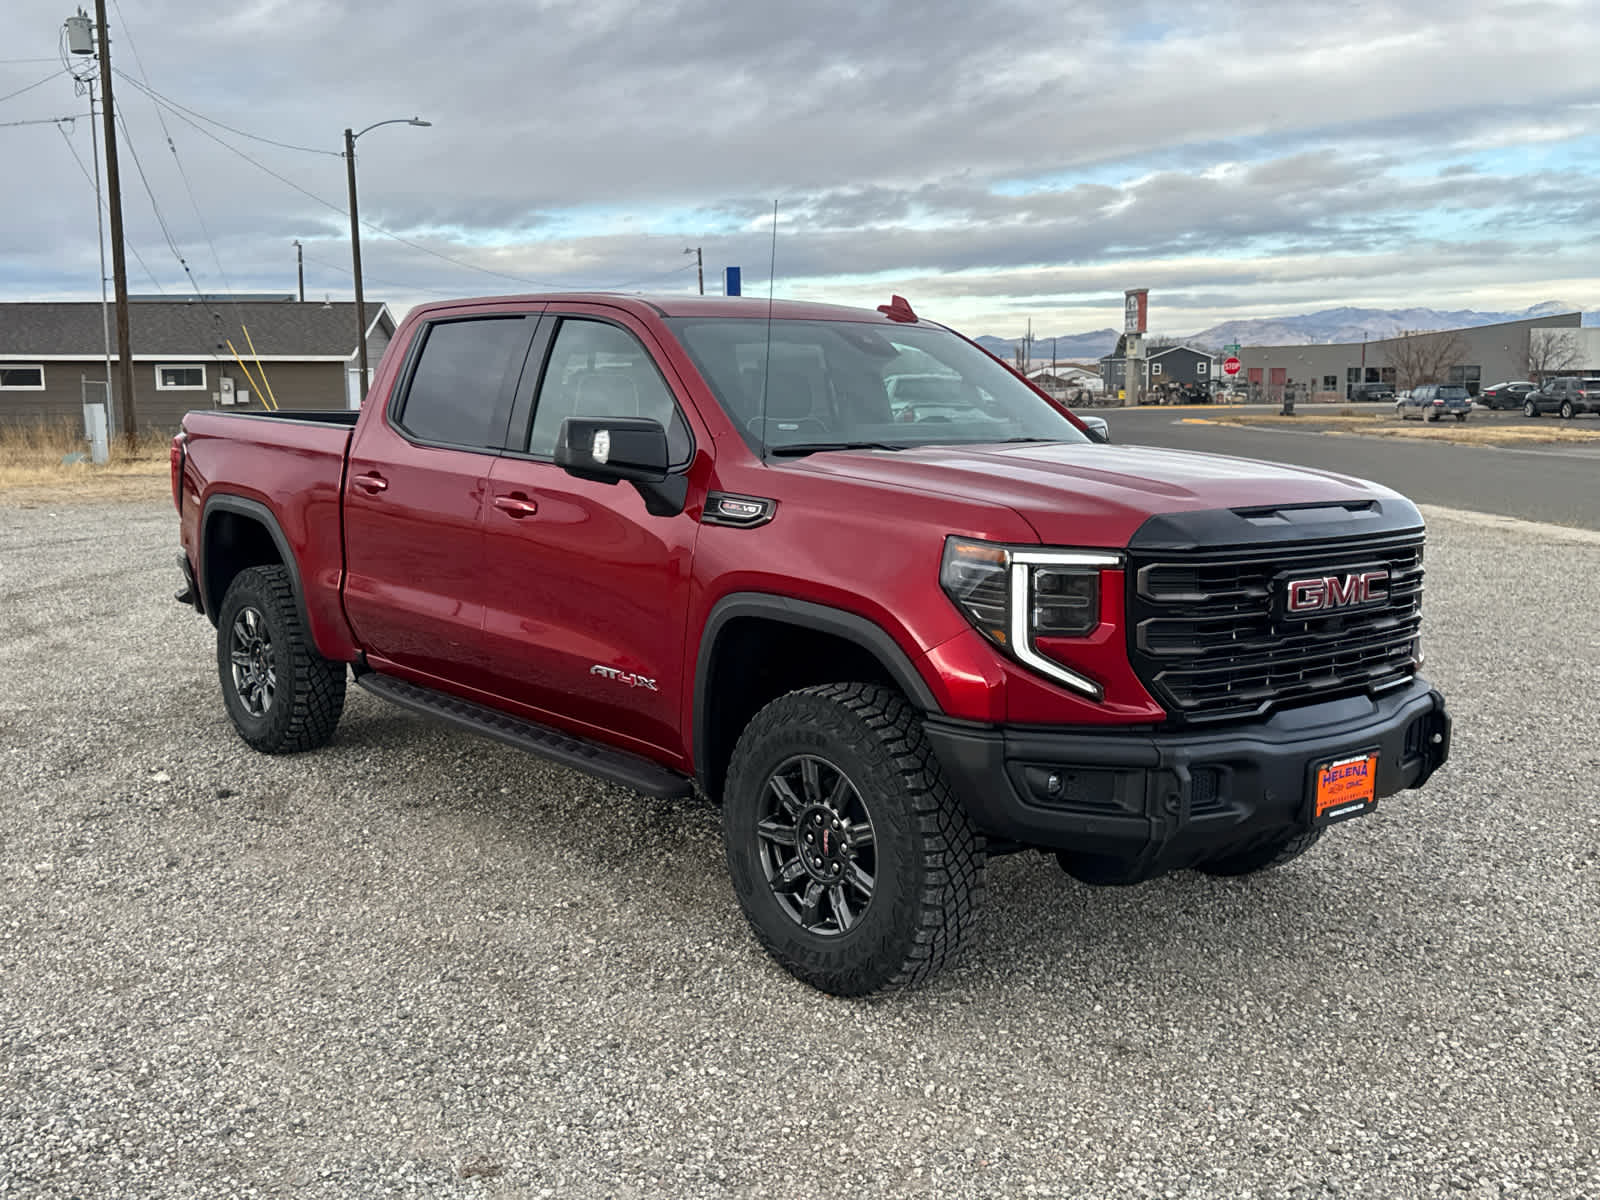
[(262, 515), (803, 613)]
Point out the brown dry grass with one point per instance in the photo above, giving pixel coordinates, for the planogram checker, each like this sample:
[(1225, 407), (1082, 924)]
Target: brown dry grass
[(1384, 424), (32, 470)]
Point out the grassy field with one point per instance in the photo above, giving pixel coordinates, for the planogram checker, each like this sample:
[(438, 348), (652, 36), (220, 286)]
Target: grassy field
[(34, 468), (1384, 424)]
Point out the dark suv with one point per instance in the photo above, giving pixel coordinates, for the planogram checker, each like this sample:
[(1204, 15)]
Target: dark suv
[(1372, 391), (1430, 401), (1569, 397)]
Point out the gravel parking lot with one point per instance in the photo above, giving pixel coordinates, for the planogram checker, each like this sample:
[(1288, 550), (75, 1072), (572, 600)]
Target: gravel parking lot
[(418, 964)]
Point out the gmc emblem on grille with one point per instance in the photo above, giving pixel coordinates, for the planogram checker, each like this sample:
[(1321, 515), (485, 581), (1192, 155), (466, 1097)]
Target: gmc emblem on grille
[(1307, 596)]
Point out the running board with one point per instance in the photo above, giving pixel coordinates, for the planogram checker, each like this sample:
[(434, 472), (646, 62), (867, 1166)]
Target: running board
[(617, 766)]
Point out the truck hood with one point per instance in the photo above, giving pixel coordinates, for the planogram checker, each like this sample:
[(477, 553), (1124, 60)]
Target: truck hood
[(1092, 494)]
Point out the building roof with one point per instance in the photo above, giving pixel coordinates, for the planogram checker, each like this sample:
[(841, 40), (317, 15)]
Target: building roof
[(187, 327)]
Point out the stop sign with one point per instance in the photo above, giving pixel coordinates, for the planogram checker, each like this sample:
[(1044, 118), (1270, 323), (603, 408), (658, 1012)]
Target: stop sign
[(1230, 366)]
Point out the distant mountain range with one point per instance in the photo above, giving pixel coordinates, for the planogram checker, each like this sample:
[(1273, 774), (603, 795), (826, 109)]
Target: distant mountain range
[(1328, 325)]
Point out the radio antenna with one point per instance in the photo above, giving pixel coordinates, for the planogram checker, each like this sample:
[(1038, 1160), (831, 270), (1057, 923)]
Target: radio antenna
[(766, 365)]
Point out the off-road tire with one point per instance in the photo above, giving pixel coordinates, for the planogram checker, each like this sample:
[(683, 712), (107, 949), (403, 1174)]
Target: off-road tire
[(1266, 856), (1567, 410), (308, 696), (929, 861)]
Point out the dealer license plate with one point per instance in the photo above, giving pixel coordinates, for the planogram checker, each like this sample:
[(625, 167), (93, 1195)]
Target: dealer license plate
[(1346, 787)]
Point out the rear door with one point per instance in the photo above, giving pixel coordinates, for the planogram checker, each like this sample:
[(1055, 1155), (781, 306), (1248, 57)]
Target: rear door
[(585, 591), (415, 490)]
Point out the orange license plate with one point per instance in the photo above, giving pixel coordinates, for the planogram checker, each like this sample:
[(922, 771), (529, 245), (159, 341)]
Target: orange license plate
[(1346, 787)]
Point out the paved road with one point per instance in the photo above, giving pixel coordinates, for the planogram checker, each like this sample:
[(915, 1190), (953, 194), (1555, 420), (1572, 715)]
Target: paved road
[(1555, 483)]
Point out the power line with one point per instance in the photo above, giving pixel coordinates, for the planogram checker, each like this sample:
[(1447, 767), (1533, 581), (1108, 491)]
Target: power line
[(156, 208), (374, 227), (31, 86), (89, 179), (178, 162), (8, 62), (254, 137)]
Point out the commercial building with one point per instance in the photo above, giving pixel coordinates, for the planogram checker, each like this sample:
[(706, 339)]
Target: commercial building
[(1475, 357)]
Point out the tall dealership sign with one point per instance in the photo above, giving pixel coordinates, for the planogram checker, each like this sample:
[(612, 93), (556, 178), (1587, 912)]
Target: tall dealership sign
[(1136, 310)]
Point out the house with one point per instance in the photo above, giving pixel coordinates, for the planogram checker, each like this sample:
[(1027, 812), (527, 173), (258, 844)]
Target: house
[(1065, 379), (1169, 369), (305, 352)]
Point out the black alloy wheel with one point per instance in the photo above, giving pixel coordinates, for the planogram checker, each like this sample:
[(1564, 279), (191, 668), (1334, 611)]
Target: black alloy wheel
[(281, 695), (250, 656), (818, 847), (855, 864)]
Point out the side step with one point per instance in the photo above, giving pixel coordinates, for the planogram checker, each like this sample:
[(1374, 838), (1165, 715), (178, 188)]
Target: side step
[(618, 766)]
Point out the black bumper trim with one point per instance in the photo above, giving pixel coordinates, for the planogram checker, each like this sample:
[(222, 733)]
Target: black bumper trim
[(1171, 799)]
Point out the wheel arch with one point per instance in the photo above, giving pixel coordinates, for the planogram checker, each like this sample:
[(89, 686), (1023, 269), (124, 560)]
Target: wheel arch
[(237, 533), (799, 643)]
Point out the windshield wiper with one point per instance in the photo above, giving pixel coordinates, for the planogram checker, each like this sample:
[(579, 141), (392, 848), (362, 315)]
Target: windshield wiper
[(796, 449)]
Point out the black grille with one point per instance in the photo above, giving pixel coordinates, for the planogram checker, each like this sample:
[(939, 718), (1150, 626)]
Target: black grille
[(1208, 638)]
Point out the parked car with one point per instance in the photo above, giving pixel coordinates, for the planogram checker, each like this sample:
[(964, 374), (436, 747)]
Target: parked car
[(1371, 391), (1430, 401), (1510, 394), (1568, 397), (685, 544)]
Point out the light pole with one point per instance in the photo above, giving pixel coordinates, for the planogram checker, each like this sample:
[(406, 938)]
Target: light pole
[(700, 266), (355, 236)]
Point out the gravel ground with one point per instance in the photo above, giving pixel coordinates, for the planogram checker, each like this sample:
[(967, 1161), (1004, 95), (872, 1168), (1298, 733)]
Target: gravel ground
[(417, 964)]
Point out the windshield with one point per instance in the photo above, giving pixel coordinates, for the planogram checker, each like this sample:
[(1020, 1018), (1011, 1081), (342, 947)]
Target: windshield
[(848, 383)]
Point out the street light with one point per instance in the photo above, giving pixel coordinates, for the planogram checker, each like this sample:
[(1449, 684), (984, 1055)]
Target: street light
[(355, 236)]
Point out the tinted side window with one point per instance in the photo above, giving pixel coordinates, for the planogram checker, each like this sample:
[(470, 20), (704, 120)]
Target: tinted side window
[(599, 370), (457, 386)]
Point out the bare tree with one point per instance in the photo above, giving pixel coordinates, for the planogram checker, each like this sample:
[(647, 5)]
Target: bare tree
[(1549, 351), (1419, 358)]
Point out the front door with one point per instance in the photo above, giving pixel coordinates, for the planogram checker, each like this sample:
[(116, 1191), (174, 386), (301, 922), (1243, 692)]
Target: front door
[(415, 490), (585, 592)]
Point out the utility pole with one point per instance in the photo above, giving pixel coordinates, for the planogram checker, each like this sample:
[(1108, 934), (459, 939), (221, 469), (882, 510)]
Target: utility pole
[(355, 253), (700, 266), (300, 268), (127, 419)]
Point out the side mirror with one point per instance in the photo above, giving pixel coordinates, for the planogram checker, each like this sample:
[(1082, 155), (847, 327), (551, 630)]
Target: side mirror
[(611, 449), (1097, 428)]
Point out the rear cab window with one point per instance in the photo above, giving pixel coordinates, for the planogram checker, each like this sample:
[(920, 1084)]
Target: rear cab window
[(458, 392)]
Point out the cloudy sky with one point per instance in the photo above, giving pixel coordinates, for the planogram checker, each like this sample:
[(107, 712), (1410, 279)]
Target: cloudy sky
[(992, 161)]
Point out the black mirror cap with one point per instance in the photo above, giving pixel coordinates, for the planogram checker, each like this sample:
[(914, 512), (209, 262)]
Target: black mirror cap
[(611, 449), (1097, 429)]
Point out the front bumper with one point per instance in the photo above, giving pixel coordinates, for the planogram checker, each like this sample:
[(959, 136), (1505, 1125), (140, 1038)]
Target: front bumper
[(1151, 801)]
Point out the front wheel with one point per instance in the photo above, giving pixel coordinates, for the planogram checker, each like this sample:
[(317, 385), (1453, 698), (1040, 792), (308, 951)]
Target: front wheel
[(281, 695), (855, 864), (1530, 409)]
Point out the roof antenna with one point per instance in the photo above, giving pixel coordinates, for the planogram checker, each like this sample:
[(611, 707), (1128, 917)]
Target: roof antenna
[(766, 366)]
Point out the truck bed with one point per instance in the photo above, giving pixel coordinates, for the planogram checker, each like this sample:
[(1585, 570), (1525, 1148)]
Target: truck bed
[(292, 464)]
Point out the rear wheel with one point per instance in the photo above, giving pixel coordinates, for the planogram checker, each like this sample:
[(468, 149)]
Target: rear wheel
[(854, 863), (281, 695), (1566, 410), (1461, 416), (1264, 857)]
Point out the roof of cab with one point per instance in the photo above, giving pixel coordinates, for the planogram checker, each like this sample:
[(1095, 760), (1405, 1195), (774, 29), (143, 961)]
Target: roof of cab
[(741, 307)]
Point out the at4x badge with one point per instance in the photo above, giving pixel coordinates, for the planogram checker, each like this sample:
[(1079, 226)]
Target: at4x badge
[(624, 677)]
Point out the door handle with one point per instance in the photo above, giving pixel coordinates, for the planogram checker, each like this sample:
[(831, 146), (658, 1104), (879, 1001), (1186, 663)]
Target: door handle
[(516, 507), (372, 484)]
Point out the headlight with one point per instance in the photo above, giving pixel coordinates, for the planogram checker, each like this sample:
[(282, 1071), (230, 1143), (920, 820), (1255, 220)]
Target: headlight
[(1013, 595)]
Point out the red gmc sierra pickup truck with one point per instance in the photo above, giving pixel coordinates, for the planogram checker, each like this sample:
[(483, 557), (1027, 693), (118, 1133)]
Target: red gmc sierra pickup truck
[(843, 571)]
